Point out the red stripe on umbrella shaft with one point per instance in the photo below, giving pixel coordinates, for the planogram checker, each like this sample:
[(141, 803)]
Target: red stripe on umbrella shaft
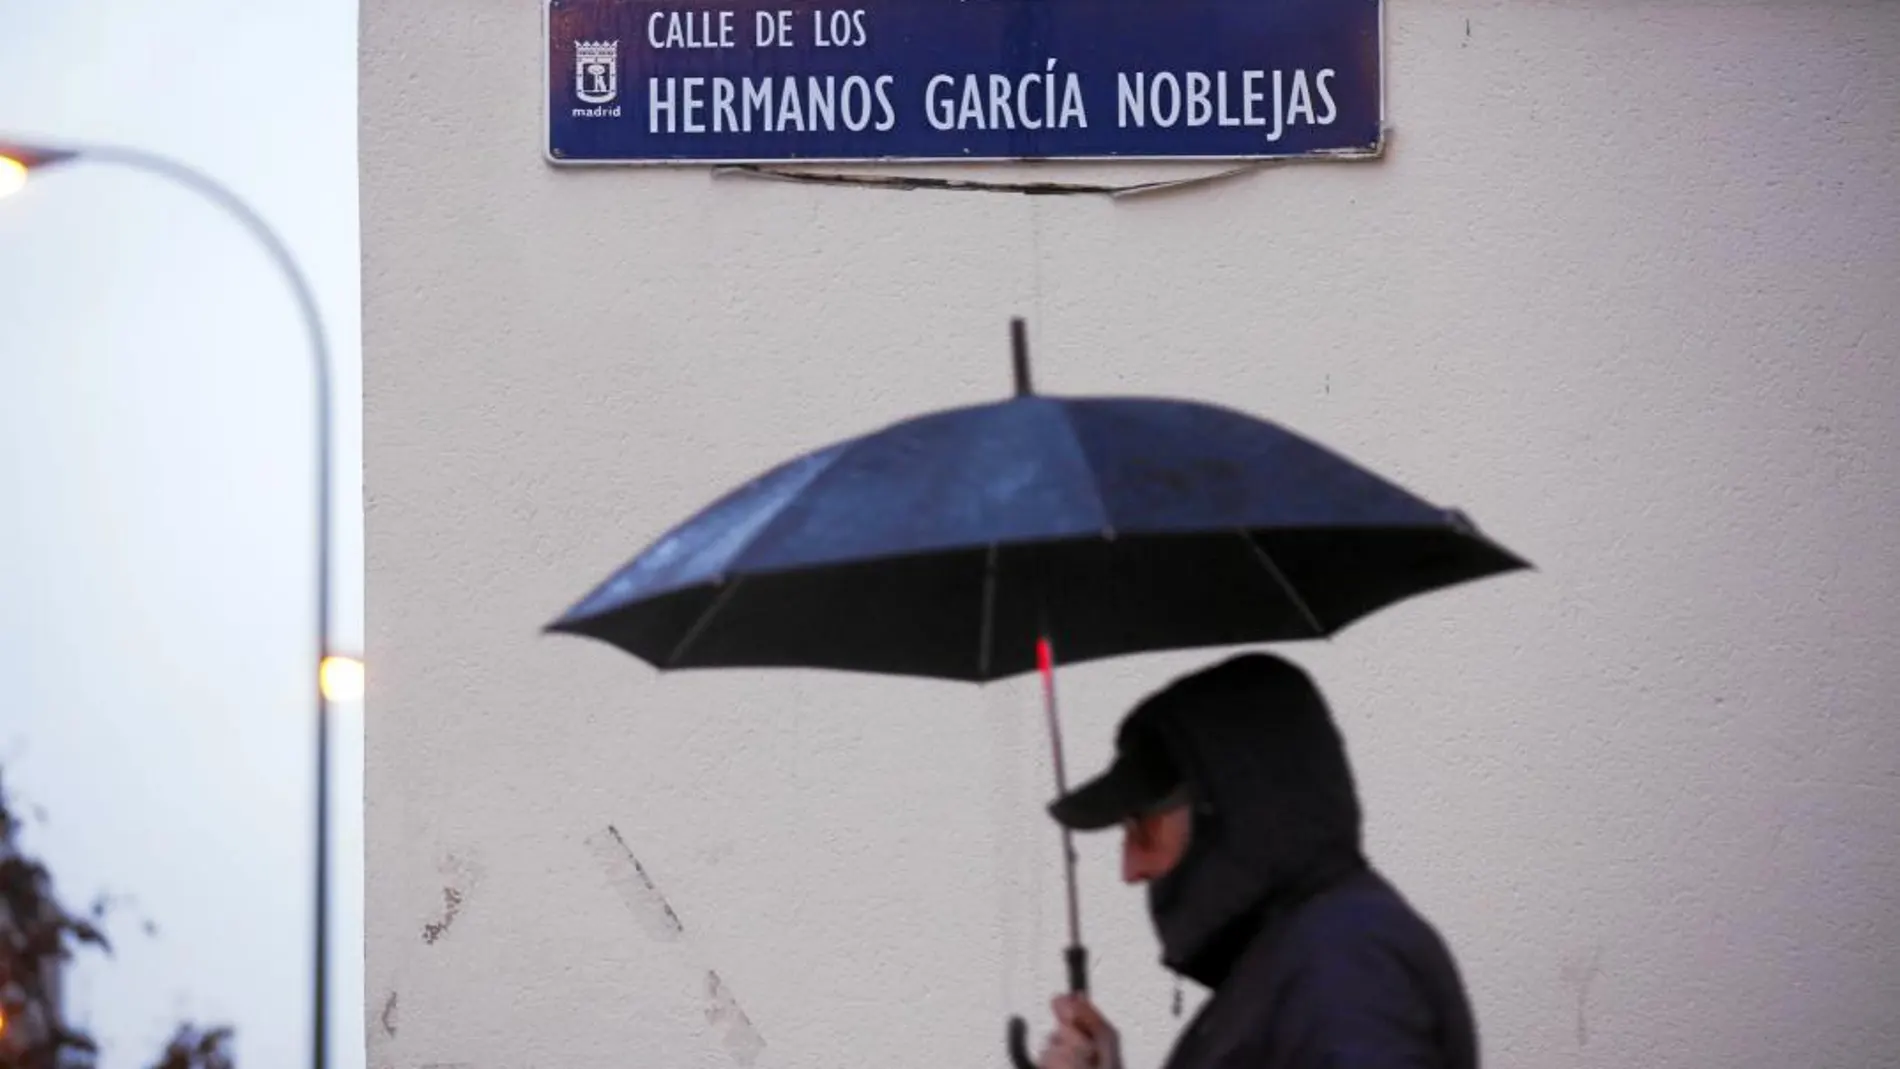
[(1046, 664)]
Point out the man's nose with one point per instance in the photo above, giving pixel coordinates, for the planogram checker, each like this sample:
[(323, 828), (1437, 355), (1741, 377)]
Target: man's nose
[(1135, 867)]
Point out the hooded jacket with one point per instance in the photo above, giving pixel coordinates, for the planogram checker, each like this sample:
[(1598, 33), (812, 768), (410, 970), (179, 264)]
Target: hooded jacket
[(1313, 959)]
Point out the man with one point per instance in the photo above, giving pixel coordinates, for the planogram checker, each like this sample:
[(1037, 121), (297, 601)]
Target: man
[(1239, 813)]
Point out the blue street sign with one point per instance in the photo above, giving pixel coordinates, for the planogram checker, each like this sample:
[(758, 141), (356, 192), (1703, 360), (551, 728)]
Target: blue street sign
[(763, 81)]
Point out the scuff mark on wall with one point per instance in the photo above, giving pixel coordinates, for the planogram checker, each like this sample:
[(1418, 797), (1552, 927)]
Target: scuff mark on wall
[(1580, 975), (739, 1037), (742, 1040), (451, 908), (636, 888), (388, 1017), (462, 874)]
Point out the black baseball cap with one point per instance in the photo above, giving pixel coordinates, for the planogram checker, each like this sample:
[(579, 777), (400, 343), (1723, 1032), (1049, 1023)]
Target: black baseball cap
[(1143, 778)]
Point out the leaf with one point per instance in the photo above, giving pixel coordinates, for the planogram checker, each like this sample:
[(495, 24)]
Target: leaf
[(85, 932), (38, 936)]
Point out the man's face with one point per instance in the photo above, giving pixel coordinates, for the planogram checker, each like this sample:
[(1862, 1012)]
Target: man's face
[(1153, 844)]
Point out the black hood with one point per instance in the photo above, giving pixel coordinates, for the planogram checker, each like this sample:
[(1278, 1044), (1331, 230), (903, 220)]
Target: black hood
[(1276, 814)]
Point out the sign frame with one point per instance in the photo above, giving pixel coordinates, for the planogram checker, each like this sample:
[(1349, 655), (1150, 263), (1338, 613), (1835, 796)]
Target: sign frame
[(552, 154)]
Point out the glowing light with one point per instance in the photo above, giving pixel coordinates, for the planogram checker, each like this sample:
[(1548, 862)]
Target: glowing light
[(12, 180), (341, 678)]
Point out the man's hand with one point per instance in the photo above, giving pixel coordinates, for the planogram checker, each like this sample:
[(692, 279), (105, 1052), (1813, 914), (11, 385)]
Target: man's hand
[(1083, 1038)]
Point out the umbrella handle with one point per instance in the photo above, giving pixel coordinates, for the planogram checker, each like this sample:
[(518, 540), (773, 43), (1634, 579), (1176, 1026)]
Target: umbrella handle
[(1077, 959), (1019, 1044)]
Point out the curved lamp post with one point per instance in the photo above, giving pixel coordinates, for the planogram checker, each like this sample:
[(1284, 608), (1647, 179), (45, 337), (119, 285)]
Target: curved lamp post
[(338, 677)]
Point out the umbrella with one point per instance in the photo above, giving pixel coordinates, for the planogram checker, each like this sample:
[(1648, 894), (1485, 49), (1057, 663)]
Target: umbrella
[(987, 541)]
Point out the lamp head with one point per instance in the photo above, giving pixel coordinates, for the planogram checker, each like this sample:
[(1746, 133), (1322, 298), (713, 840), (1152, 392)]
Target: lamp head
[(341, 678), (19, 159)]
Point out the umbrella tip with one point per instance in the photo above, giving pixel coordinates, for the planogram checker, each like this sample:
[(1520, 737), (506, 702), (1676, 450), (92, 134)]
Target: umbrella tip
[(1019, 355)]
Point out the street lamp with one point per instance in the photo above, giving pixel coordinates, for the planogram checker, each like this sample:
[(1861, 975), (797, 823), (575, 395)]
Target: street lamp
[(338, 677)]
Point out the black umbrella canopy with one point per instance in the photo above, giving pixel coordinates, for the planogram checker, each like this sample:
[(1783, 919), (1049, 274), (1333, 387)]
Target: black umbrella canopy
[(946, 545), (980, 542)]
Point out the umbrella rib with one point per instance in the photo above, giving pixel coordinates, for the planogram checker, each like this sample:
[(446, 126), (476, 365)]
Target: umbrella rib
[(778, 515), (1266, 561), (1088, 469), (705, 618), (986, 637)]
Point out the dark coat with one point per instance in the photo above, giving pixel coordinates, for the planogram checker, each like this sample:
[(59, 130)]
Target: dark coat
[(1314, 960)]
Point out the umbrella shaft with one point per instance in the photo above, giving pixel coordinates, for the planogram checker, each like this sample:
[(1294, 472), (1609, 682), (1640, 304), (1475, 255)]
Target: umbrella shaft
[(1077, 981), (1045, 656)]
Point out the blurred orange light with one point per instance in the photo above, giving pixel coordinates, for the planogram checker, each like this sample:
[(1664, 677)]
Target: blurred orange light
[(341, 678), (12, 180)]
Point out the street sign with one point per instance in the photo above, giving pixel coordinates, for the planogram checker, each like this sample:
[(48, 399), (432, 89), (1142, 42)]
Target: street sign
[(774, 81)]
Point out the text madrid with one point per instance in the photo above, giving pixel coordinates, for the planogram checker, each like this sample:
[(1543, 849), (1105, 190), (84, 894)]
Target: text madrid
[(1045, 99)]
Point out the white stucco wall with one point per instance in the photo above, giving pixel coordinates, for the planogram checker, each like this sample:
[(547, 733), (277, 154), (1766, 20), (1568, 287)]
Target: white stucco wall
[(1627, 288)]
